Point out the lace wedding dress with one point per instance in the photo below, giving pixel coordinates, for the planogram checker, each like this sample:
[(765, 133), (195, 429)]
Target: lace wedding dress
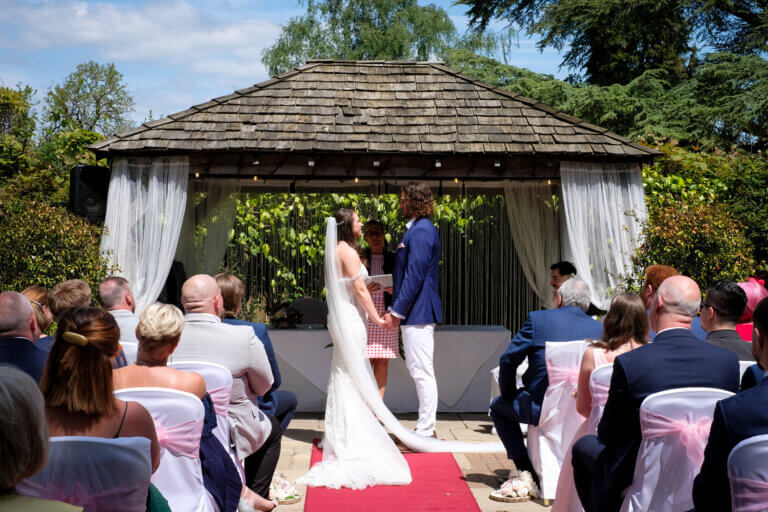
[(357, 451)]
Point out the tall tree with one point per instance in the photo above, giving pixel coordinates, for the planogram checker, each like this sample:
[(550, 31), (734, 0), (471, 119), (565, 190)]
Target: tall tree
[(368, 29), (94, 97), (615, 41)]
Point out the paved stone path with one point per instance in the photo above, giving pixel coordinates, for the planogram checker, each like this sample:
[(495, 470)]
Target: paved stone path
[(480, 470)]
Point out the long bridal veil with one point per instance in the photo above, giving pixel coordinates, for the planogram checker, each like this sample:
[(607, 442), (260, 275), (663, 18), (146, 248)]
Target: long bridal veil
[(360, 373)]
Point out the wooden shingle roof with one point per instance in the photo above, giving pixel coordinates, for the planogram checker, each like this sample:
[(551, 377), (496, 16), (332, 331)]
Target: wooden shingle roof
[(352, 107)]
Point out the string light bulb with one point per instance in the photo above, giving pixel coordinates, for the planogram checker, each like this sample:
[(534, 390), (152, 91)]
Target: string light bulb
[(357, 179), (455, 180), (255, 178), (197, 175)]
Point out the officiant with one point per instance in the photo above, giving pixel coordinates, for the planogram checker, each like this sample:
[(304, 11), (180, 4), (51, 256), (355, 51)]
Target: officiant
[(382, 342)]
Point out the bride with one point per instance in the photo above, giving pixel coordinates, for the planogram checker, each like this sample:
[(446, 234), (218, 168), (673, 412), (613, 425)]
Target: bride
[(357, 451)]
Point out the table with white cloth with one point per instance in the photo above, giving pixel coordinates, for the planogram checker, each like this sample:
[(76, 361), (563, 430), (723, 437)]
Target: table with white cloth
[(464, 357)]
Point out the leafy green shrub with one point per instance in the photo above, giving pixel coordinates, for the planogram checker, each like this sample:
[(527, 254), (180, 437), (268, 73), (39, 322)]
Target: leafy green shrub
[(704, 242), (44, 244)]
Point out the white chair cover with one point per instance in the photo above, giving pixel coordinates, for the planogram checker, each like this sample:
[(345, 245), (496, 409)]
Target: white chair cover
[(675, 426), (599, 385), (549, 441), (743, 365), (748, 473), (95, 473), (218, 383), (179, 422), (130, 350)]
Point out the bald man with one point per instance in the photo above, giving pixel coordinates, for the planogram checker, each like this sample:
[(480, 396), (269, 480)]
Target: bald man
[(604, 464), (18, 333), (206, 338)]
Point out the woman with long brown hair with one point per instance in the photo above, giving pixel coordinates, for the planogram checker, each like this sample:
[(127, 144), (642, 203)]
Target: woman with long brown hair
[(77, 382)]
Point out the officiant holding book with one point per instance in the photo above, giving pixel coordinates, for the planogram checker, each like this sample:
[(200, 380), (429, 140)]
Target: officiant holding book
[(382, 342)]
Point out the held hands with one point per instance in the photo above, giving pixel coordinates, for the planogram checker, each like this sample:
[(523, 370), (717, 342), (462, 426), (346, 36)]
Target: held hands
[(392, 322)]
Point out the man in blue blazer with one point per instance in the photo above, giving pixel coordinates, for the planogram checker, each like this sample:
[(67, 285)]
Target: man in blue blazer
[(279, 403), (415, 298), (736, 419), (567, 323), (604, 464), (18, 333)]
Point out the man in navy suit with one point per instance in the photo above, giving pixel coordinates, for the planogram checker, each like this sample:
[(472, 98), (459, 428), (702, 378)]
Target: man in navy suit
[(279, 403), (736, 419), (18, 333), (604, 465), (415, 298), (567, 323)]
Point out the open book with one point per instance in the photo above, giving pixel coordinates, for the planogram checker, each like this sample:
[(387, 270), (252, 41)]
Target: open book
[(385, 280)]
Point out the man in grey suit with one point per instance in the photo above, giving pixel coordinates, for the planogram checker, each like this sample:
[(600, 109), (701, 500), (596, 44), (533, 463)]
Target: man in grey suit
[(720, 312), (257, 435), (116, 298)]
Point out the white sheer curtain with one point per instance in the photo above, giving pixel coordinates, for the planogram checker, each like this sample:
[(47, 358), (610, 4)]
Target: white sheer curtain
[(535, 232), (604, 211), (145, 209), (208, 220)]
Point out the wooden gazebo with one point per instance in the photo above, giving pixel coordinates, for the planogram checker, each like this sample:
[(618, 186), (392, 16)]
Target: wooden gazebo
[(373, 120)]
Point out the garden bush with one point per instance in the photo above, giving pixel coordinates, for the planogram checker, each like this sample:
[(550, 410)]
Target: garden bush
[(44, 244)]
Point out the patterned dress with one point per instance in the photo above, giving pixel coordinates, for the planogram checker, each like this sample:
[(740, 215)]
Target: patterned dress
[(382, 343)]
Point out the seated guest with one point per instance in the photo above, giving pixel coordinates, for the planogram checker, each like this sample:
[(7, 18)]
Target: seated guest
[(752, 376), (654, 276), (38, 296), (559, 273), (736, 419), (625, 328), (206, 338), (18, 333), (158, 331), (277, 402), (720, 310), (567, 323), (755, 292), (77, 382), (23, 441), (64, 296), (116, 298), (604, 465)]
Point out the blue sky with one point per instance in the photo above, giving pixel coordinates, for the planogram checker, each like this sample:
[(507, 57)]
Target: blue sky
[(172, 53)]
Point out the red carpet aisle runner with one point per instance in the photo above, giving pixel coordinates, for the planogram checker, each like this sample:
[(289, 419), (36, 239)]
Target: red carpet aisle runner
[(437, 486)]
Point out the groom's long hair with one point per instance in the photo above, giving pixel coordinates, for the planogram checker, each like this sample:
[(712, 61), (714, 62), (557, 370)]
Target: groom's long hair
[(419, 200), (344, 219)]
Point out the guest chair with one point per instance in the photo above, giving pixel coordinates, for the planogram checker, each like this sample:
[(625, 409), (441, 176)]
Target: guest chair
[(218, 383), (743, 365), (599, 385), (131, 351), (675, 429), (94, 473), (549, 441), (748, 474), (496, 391), (178, 419)]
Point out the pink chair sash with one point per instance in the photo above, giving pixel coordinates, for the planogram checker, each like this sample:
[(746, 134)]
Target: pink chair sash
[(130, 497), (694, 436), (599, 392), (558, 374), (748, 495), (182, 439), (220, 398)]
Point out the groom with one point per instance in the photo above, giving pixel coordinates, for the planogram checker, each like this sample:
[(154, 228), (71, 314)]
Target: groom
[(416, 306)]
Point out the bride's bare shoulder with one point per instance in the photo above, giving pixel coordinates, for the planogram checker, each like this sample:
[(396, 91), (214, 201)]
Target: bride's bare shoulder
[(346, 251)]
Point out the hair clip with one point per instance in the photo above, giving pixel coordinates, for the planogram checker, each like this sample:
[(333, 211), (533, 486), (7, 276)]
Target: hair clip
[(74, 338)]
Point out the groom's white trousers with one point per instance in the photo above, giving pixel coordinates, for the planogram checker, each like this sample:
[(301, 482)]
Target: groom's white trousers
[(419, 345)]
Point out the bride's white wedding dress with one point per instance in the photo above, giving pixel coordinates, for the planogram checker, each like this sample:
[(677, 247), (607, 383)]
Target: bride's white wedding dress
[(357, 451)]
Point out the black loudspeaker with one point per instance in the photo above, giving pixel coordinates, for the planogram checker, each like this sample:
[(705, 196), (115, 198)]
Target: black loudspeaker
[(88, 188)]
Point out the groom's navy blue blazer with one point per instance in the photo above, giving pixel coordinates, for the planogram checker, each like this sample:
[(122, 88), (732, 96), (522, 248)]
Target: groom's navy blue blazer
[(415, 285), (675, 359)]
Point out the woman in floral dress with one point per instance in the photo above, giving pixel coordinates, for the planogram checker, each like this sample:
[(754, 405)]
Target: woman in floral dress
[(382, 343)]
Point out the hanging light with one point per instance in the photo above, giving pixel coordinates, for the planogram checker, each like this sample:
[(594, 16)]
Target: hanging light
[(455, 180), (255, 178), (311, 162), (197, 175), (438, 163), (357, 180), (497, 163)]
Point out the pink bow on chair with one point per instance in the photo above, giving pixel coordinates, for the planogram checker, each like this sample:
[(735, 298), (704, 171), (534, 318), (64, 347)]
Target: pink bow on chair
[(694, 436), (182, 439), (558, 374), (128, 497), (220, 399)]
